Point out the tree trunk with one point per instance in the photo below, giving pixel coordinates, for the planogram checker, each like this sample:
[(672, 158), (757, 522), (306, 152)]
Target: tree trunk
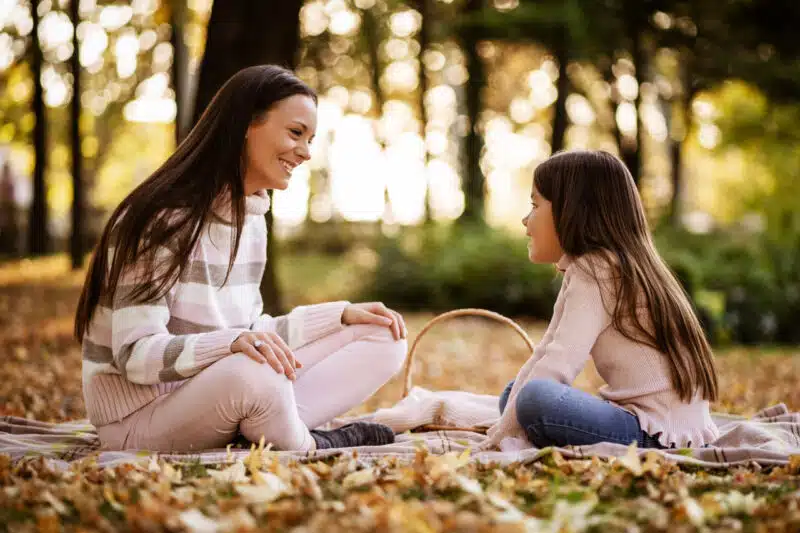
[(38, 238), (373, 41), (473, 181), (614, 98), (632, 151), (676, 159), (240, 34), (180, 68), (77, 241), (424, 42), (676, 156), (562, 86)]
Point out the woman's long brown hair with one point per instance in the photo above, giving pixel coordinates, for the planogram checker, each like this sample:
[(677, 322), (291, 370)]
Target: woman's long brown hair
[(597, 208), (171, 207)]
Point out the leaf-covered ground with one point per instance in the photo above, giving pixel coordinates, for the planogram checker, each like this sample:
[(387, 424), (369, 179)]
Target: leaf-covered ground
[(40, 378)]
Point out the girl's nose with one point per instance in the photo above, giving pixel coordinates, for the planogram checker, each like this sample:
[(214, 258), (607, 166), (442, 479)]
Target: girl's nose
[(525, 221)]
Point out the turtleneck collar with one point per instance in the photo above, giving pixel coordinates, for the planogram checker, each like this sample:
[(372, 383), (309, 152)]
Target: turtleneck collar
[(254, 204), (257, 203)]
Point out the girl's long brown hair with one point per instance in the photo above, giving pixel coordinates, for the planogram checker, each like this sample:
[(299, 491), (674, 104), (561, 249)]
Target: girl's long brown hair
[(597, 208), (170, 208)]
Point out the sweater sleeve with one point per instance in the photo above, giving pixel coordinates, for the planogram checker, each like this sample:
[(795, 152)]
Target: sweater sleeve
[(583, 319), (304, 324), (507, 424), (145, 352)]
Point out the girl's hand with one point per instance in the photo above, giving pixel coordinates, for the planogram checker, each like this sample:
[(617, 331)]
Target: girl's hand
[(378, 314), (269, 348)]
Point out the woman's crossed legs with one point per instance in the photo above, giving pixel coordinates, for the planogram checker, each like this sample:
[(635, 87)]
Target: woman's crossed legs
[(236, 394)]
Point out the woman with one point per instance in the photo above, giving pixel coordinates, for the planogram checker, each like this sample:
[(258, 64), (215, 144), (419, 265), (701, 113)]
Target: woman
[(177, 355)]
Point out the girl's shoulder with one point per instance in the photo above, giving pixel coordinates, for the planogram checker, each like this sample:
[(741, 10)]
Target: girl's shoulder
[(597, 265)]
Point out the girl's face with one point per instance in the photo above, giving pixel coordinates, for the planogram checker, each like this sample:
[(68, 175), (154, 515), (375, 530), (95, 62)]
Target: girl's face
[(276, 144), (543, 246)]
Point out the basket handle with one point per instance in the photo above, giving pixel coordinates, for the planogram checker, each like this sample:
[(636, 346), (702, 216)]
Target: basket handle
[(452, 314)]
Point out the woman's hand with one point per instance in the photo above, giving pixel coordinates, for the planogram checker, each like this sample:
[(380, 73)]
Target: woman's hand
[(269, 348), (378, 314)]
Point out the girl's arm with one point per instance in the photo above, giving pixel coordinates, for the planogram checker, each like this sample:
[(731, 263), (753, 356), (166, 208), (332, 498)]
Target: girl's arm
[(304, 324), (541, 347), (584, 318)]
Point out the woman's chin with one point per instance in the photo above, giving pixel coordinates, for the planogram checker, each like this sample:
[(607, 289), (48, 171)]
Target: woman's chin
[(281, 183)]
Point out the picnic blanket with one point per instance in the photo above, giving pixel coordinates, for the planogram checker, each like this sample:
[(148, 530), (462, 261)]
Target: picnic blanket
[(770, 437)]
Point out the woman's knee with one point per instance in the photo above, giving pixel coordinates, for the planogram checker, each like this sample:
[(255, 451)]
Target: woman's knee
[(250, 383), (387, 354)]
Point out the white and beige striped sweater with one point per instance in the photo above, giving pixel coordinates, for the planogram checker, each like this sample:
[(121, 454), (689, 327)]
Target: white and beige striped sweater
[(134, 353)]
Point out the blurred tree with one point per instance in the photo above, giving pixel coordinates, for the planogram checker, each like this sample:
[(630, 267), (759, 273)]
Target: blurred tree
[(636, 16), (712, 43), (243, 33), (180, 66), (373, 37), (38, 234), (554, 25), (474, 183), (77, 241), (423, 7)]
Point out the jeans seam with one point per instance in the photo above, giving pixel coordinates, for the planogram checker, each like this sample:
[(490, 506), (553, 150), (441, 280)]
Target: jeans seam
[(605, 438)]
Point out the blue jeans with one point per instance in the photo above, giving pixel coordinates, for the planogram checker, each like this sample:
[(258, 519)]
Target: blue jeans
[(554, 414)]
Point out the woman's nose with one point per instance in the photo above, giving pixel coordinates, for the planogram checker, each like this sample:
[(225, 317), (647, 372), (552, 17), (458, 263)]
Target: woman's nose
[(304, 152), (525, 221)]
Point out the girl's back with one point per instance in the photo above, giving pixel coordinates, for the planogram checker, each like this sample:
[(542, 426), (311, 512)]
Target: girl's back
[(619, 304)]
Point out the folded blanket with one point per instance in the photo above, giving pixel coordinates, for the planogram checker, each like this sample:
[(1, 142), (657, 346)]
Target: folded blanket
[(768, 438)]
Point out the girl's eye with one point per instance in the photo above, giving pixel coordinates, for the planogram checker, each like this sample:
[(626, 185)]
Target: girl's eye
[(297, 133)]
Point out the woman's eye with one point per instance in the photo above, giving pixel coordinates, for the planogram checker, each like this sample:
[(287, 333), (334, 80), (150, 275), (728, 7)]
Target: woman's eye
[(297, 133)]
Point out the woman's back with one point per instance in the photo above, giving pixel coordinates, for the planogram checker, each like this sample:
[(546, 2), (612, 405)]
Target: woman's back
[(119, 377)]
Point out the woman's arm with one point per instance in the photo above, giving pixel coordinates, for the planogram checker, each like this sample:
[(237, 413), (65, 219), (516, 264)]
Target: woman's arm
[(304, 324), (146, 353), (144, 350)]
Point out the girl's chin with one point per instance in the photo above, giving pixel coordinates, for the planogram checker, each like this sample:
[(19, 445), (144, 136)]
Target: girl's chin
[(531, 254), (535, 259)]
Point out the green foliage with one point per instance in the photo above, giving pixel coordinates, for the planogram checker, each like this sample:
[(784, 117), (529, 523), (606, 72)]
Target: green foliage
[(756, 281), (745, 290), (462, 266)]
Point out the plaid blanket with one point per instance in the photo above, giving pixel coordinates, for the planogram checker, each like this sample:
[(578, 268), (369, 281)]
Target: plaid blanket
[(770, 437)]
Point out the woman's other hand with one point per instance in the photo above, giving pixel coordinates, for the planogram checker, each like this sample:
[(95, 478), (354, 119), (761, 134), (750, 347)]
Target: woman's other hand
[(267, 348), (378, 314)]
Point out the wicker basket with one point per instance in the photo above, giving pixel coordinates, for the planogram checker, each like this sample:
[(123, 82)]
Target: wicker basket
[(409, 368)]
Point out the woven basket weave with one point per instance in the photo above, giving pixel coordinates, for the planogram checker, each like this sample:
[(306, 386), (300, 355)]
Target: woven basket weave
[(409, 367)]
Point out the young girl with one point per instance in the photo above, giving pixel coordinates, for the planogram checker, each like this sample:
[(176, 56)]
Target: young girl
[(177, 355), (619, 304)]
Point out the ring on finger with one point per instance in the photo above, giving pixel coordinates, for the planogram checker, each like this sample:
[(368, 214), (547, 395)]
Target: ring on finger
[(258, 343)]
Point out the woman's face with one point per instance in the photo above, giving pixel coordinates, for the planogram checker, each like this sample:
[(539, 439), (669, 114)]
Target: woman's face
[(543, 244), (277, 143)]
